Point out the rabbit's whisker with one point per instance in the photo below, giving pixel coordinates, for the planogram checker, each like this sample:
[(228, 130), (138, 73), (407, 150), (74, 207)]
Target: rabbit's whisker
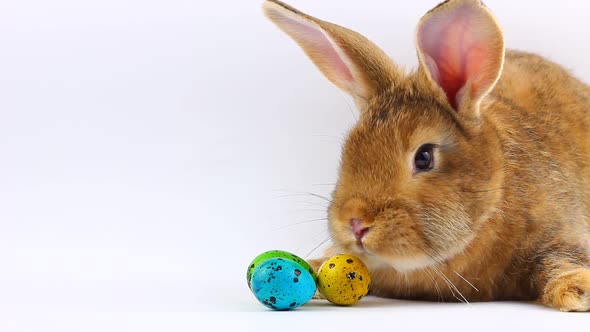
[(467, 281), (448, 281), (481, 191), (312, 210), (306, 194), (347, 102), (328, 238), (452, 287), (339, 139), (440, 296), (319, 233), (301, 223), (323, 205)]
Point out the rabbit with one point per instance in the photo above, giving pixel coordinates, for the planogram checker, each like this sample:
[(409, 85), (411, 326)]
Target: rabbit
[(467, 179)]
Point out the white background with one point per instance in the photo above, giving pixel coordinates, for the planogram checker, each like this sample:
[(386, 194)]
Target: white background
[(150, 149)]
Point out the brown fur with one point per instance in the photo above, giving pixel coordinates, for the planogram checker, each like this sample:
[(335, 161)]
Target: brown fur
[(503, 216)]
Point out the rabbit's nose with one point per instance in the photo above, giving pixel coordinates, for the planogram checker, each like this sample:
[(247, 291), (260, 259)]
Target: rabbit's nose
[(357, 228)]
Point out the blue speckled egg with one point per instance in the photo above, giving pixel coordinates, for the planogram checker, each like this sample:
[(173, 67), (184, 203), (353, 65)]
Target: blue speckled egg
[(282, 284)]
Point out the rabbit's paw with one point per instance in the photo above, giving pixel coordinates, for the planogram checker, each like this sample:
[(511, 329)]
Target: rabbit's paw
[(569, 291)]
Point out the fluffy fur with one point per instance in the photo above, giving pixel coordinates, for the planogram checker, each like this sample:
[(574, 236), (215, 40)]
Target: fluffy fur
[(504, 214)]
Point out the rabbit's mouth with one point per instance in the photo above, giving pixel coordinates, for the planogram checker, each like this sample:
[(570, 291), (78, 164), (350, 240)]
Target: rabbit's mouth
[(402, 258), (359, 244), (402, 264), (360, 248), (413, 262), (359, 231)]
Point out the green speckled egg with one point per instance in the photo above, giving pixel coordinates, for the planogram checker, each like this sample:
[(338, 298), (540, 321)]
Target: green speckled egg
[(277, 254), (343, 279)]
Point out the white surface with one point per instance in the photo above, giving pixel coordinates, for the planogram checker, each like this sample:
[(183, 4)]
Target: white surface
[(146, 148), (372, 315)]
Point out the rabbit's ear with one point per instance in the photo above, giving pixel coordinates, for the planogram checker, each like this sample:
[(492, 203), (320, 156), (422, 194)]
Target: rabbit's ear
[(347, 59), (461, 50)]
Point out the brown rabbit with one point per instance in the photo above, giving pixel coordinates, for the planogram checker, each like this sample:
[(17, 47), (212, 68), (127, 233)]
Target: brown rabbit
[(468, 179)]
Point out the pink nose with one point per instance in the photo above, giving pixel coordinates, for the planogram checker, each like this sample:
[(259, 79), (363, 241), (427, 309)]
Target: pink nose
[(357, 228)]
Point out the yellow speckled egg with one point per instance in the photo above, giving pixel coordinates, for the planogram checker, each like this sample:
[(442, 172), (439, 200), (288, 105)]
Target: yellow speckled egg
[(343, 279)]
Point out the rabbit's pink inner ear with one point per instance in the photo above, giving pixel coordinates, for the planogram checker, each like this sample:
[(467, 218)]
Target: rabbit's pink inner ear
[(323, 51), (458, 48)]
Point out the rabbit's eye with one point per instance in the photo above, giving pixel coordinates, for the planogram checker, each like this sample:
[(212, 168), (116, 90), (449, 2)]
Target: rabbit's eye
[(424, 158)]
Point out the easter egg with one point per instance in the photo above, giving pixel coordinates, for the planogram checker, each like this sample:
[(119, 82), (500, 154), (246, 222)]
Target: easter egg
[(282, 284), (277, 254), (343, 279)]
